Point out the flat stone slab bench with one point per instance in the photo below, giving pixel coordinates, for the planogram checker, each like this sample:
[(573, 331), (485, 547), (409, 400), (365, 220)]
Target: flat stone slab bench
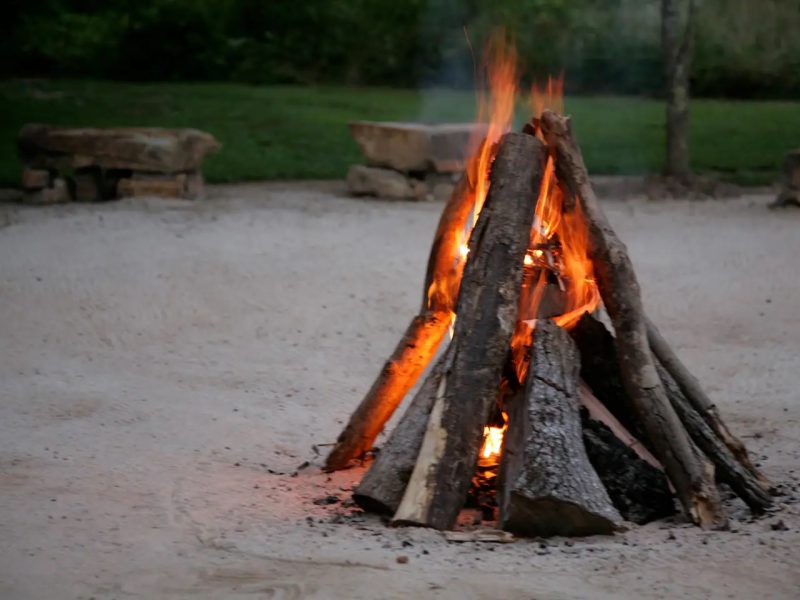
[(410, 161), (91, 164), (789, 194)]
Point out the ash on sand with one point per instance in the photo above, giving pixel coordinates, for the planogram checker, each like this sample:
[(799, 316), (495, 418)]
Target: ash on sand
[(166, 367)]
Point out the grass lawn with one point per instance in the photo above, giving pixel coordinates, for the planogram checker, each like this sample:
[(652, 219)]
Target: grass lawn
[(287, 132)]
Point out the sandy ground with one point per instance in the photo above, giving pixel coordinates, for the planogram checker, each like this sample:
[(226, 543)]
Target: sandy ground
[(166, 367)]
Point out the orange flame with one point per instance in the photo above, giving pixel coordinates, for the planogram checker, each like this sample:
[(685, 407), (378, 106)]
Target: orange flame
[(558, 248), (495, 111)]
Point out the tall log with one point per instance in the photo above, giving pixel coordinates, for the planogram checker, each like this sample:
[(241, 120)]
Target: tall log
[(382, 486), (693, 392), (487, 311), (399, 374), (690, 473), (547, 484)]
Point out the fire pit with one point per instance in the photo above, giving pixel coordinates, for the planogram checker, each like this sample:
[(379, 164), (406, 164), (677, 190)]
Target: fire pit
[(547, 419)]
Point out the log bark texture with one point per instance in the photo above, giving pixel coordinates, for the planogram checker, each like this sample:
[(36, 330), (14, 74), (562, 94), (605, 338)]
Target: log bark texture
[(547, 484), (690, 473), (487, 311), (382, 486), (692, 391), (729, 469), (399, 374)]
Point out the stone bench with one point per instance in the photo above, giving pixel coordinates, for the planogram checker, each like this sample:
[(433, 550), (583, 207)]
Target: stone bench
[(790, 183), (92, 164), (412, 161)]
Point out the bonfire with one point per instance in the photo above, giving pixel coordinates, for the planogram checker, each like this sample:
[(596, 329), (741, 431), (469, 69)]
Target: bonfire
[(550, 398)]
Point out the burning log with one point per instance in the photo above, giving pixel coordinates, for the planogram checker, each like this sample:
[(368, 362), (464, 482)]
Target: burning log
[(398, 376), (382, 487), (487, 309), (688, 470), (548, 486), (421, 340)]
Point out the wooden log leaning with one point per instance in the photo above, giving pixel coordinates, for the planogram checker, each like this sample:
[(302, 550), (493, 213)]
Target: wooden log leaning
[(729, 468), (382, 486), (690, 472), (425, 332), (487, 310), (399, 374), (547, 484), (692, 391)]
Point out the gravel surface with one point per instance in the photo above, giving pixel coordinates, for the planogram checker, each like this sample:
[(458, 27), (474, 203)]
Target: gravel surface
[(167, 368)]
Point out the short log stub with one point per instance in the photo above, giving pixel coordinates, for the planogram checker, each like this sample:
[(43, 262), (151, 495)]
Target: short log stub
[(547, 484)]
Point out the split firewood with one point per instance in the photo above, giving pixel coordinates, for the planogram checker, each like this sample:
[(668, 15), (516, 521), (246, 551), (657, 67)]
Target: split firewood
[(547, 484), (487, 311), (382, 486), (399, 374), (690, 472), (693, 392)]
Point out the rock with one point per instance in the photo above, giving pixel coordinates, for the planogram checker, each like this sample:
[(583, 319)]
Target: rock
[(88, 184), (135, 148), (35, 179), (414, 146), (790, 183), (180, 185), (384, 183), (57, 193)]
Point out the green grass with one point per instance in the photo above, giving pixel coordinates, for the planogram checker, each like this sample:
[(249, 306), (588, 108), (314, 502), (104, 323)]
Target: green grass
[(286, 132)]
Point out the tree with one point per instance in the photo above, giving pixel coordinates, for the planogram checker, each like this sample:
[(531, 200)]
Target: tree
[(677, 38)]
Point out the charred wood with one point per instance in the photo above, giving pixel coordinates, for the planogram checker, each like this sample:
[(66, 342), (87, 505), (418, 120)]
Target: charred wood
[(638, 490)]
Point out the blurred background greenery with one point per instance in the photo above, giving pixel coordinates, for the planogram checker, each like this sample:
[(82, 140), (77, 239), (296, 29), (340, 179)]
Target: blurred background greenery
[(283, 77)]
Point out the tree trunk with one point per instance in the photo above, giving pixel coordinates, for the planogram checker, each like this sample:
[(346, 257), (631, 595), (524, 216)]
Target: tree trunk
[(382, 486), (677, 37), (547, 484), (688, 470), (487, 312)]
